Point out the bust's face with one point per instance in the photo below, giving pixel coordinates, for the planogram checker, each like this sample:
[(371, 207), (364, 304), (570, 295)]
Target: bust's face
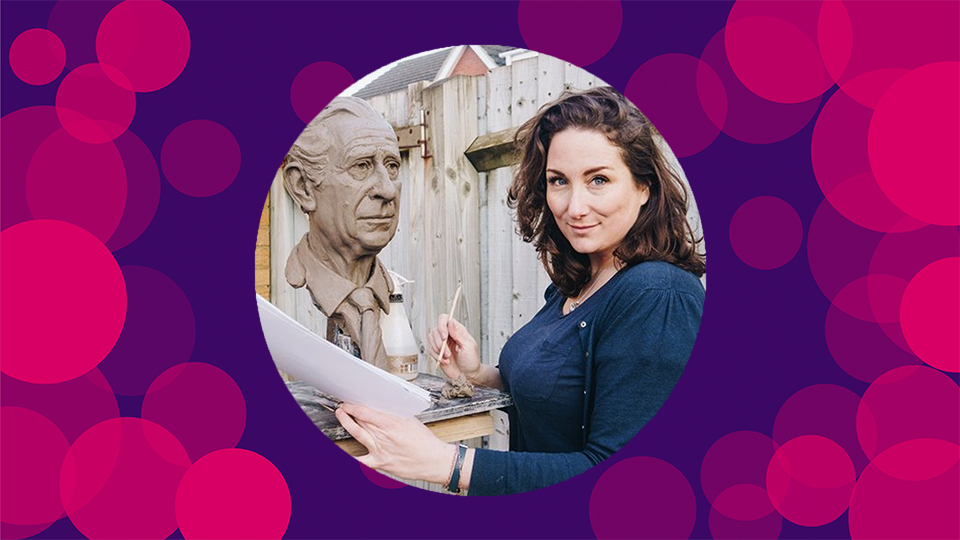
[(358, 199)]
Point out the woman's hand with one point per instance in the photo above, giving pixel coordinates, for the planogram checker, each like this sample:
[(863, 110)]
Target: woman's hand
[(462, 354), (400, 446)]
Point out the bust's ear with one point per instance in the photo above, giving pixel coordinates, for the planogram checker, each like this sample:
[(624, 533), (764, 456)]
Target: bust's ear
[(298, 186)]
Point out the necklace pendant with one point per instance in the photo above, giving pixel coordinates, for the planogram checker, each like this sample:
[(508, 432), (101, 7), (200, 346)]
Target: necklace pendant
[(574, 306)]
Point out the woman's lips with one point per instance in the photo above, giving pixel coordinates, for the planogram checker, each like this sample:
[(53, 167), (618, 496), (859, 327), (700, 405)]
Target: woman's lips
[(582, 228)]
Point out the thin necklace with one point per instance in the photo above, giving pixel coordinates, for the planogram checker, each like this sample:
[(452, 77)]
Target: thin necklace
[(582, 297)]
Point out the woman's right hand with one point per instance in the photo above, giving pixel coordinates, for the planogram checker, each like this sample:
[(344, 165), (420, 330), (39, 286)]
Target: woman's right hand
[(462, 354)]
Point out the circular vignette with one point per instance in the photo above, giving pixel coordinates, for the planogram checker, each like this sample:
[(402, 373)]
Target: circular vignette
[(213, 501), (924, 103), (906, 403), (72, 264), (810, 480), (746, 497), (930, 314), (92, 106), (662, 504), (147, 42), (766, 232), (687, 107), (380, 480), (158, 314), (187, 158), (200, 404), (553, 28), (119, 480), (315, 86), (37, 56), (31, 467)]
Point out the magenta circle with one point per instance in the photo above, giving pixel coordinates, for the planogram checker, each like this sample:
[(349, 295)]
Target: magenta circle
[(826, 410), (775, 59), (58, 401), (91, 196), (187, 163), (930, 314), (664, 508), (21, 133), (838, 251), (675, 105), (766, 232), (37, 56), (810, 480), (315, 86), (214, 501), (92, 106), (926, 32), (834, 37), (906, 403), (158, 313), (884, 506), (120, 478), (872, 298), (750, 118), (30, 466), (926, 104), (556, 28), (765, 528), (147, 41), (9, 531), (842, 167), (744, 502), (861, 348), (143, 190), (70, 261), (380, 480), (200, 404), (918, 459), (867, 89), (740, 457)]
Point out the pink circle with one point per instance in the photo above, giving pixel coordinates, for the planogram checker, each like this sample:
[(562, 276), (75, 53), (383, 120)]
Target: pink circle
[(884, 506), (842, 167), (556, 28), (143, 190), (918, 459), (867, 89), (92, 106), (675, 105), (834, 37), (775, 59), (766, 232), (660, 502), (200, 404), (72, 264), (826, 410), (119, 480), (21, 133), (810, 480), (743, 502), (766, 527), (37, 56), (380, 480), (30, 464), (215, 502), (315, 86), (750, 118), (158, 313), (906, 403), (860, 348), (91, 193), (925, 104), (58, 401), (740, 457), (838, 251), (187, 158), (873, 298), (147, 41), (926, 32), (930, 314)]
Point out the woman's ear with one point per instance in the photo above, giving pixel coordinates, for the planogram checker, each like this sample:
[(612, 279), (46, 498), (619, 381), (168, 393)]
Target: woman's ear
[(298, 186), (644, 194)]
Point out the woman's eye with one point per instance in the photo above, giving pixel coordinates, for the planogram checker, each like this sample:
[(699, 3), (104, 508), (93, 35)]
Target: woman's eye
[(598, 180), (557, 181)]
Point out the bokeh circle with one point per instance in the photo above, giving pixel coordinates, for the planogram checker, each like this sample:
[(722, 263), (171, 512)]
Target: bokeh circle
[(200, 158), (766, 232), (37, 56)]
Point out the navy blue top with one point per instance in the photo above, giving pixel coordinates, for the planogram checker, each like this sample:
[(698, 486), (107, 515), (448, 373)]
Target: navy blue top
[(622, 351)]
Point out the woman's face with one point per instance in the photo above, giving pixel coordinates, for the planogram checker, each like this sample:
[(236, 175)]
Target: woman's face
[(591, 193)]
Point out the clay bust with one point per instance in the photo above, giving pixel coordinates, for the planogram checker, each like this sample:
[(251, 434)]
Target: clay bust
[(343, 171)]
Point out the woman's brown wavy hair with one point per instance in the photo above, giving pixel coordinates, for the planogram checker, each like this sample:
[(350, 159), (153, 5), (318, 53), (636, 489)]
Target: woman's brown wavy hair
[(661, 232)]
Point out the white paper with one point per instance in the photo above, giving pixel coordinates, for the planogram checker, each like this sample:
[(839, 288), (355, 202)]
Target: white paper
[(314, 360)]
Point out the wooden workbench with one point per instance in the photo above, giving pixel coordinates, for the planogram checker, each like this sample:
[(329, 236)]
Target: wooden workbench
[(449, 419)]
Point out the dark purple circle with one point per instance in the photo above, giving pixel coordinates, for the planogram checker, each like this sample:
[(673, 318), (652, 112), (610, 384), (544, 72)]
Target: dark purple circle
[(200, 158), (76, 23), (838, 250), (861, 348), (143, 190), (740, 457), (557, 28), (315, 86), (21, 133), (766, 232), (159, 332)]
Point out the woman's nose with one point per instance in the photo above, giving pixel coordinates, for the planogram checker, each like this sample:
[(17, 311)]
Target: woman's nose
[(577, 206)]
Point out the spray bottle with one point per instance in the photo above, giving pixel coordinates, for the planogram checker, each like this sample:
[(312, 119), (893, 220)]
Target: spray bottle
[(402, 350)]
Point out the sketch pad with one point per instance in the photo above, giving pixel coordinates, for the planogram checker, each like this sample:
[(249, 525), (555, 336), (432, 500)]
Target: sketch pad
[(314, 360)]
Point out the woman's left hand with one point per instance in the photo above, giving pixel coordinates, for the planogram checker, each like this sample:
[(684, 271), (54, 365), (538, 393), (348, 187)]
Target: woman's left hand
[(400, 446)]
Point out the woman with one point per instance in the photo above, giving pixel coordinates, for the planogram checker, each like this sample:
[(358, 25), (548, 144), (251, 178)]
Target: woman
[(608, 218)]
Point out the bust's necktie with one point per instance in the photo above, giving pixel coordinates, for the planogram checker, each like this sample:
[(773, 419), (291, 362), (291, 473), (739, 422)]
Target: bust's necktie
[(370, 338)]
